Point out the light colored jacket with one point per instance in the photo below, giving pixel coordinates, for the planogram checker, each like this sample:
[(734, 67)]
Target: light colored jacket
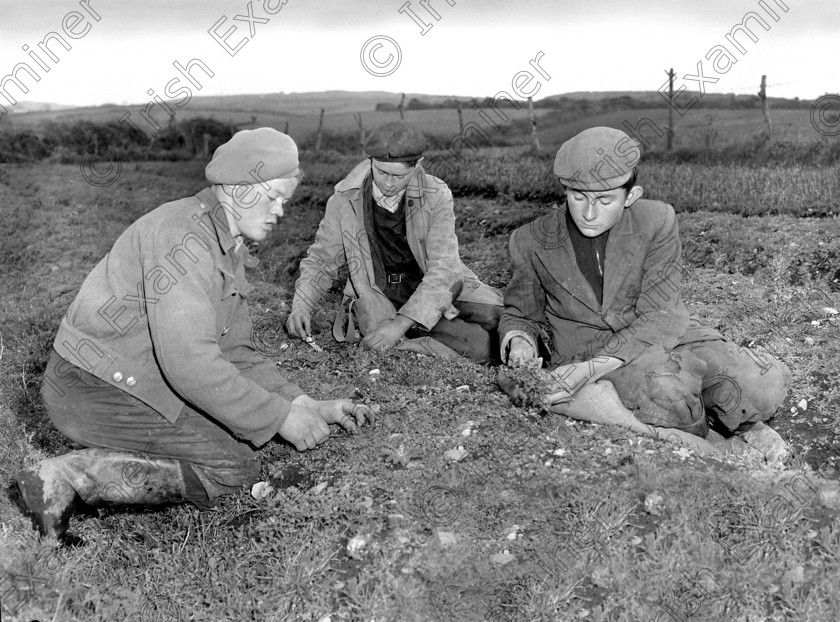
[(342, 240), (163, 317)]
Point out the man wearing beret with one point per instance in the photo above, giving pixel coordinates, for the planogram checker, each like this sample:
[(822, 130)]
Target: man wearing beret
[(603, 273), (393, 226), (153, 371)]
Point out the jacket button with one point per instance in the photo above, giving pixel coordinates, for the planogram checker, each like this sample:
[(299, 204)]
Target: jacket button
[(130, 381), (411, 202), (117, 377)]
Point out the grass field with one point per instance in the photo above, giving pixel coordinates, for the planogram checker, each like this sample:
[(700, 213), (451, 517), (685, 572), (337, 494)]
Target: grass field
[(543, 519)]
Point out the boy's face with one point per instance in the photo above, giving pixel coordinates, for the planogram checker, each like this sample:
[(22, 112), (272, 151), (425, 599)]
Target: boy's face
[(258, 207), (391, 177), (596, 212)]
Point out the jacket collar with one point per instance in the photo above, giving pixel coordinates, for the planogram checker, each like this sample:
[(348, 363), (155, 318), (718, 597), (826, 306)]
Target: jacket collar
[(211, 206), (356, 177)]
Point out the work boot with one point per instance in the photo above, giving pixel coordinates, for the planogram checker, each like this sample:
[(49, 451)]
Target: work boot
[(55, 489)]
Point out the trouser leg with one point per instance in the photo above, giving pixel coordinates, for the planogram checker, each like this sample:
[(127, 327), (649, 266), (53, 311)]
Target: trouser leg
[(662, 387), (474, 333), (94, 414), (740, 387)]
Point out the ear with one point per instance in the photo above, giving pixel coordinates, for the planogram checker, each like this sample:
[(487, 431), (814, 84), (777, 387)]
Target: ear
[(634, 195)]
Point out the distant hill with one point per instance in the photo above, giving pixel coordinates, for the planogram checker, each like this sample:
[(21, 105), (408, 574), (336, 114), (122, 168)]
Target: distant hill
[(23, 107)]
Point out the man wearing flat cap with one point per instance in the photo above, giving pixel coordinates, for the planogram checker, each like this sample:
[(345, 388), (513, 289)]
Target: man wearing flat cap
[(603, 274), (153, 370), (393, 226)]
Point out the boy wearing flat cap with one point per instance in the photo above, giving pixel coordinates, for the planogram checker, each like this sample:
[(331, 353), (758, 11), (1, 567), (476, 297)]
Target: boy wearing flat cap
[(393, 226), (603, 273), (153, 370)]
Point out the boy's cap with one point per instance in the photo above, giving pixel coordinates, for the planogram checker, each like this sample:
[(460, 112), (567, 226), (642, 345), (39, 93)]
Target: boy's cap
[(593, 161), (396, 141), (272, 154)]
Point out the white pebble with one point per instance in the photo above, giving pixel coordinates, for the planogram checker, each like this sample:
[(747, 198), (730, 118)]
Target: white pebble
[(374, 372), (803, 404)]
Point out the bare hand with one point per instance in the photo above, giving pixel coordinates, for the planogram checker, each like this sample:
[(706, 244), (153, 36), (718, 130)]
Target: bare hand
[(386, 336), (523, 354), (304, 427), (299, 323), (343, 411)]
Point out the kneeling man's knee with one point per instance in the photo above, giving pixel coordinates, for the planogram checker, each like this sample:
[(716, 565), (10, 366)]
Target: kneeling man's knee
[(663, 388)]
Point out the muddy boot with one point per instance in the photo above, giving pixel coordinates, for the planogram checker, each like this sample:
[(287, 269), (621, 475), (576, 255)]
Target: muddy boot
[(55, 489)]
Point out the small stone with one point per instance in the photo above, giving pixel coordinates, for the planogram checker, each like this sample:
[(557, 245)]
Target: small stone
[(455, 454), (316, 490), (466, 432), (261, 490), (464, 388), (395, 519), (356, 543), (809, 341), (502, 559), (829, 310), (830, 498), (447, 538), (803, 404), (559, 452), (655, 504), (374, 372)]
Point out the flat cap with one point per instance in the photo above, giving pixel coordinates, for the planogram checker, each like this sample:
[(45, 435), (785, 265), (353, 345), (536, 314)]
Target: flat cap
[(252, 157), (597, 159), (395, 141)]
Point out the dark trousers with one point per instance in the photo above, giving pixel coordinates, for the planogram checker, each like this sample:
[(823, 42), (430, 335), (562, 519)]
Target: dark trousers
[(473, 334), (93, 413)]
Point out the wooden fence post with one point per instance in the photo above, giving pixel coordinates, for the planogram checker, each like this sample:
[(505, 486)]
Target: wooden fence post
[(320, 128), (762, 96), (535, 140)]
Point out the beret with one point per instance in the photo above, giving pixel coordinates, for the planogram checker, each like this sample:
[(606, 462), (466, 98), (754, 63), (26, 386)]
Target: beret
[(395, 141), (599, 158), (253, 156)]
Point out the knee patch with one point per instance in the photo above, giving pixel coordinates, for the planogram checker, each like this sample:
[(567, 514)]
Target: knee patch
[(663, 388)]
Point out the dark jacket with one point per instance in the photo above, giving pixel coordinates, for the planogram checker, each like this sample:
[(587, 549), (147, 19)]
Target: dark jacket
[(641, 305), (163, 317)]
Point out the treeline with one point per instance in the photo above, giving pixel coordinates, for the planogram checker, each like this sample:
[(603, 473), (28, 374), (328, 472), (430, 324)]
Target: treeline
[(66, 142), (585, 106)]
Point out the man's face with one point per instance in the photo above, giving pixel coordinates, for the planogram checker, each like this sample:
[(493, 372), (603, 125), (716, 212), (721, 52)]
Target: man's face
[(259, 206), (596, 212), (391, 177)]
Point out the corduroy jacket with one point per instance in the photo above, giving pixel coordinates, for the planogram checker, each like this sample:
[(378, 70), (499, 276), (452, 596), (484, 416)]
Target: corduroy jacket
[(342, 241), (163, 317)]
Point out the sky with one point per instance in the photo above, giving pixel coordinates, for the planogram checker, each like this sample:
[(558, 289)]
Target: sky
[(122, 49)]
